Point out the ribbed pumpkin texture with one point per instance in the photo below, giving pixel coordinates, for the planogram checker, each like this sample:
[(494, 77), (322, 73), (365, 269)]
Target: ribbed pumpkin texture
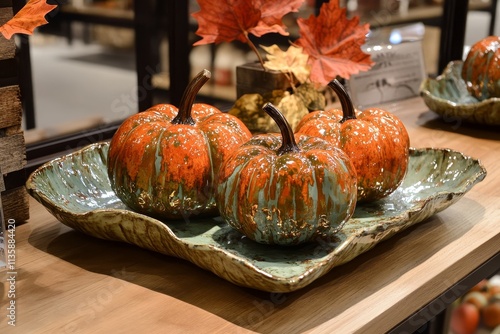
[(286, 189), (375, 140), (164, 161), (481, 68)]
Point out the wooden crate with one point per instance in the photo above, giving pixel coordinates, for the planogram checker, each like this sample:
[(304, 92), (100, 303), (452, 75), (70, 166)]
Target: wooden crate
[(12, 145)]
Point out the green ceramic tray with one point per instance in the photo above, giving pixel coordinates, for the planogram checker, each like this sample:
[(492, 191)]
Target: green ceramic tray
[(447, 95), (76, 190)]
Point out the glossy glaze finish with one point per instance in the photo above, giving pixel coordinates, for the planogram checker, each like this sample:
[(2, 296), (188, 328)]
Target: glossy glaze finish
[(75, 188), (375, 140), (448, 96), (289, 198), (481, 69), (164, 161), (286, 189)]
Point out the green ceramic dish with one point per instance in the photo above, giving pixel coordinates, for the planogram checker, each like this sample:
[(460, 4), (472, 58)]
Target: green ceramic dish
[(76, 190), (448, 96)]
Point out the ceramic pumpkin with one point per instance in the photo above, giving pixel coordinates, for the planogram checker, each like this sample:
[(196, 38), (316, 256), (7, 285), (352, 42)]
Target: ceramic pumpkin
[(286, 189), (375, 140), (481, 68), (164, 161)]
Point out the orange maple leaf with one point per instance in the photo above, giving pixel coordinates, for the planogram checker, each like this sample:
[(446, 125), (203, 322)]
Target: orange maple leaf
[(333, 43), (27, 19), (232, 20)]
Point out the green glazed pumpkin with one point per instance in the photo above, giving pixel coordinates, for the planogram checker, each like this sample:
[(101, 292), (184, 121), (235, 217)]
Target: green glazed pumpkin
[(481, 68), (164, 161), (286, 189)]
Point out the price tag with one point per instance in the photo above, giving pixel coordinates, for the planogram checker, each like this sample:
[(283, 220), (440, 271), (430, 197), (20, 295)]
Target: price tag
[(398, 71)]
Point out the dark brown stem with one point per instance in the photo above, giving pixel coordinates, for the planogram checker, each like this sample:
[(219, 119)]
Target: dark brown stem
[(188, 97), (345, 100), (288, 139), (254, 49)]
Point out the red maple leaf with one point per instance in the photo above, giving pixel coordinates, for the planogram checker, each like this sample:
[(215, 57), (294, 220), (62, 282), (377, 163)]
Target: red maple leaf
[(232, 20), (27, 19), (333, 43)]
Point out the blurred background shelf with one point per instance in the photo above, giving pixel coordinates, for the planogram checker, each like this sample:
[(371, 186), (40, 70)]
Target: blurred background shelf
[(98, 61)]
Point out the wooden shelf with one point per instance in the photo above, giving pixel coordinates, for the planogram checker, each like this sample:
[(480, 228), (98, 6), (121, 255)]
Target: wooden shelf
[(98, 11), (428, 14), (97, 15), (69, 281)]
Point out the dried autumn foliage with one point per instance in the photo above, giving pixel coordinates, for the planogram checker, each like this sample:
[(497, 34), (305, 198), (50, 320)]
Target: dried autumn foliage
[(27, 19), (234, 20), (292, 61), (333, 43)]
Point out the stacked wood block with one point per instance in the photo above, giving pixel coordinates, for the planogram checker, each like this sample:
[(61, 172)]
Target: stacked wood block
[(12, 145)]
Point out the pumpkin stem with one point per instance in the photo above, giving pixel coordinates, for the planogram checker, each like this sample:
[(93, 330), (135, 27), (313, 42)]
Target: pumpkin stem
[(345, 100), (188, 97), (288, 139)]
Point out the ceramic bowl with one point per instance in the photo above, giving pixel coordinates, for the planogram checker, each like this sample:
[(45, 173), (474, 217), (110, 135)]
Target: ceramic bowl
[(448, 96), (75, 188)]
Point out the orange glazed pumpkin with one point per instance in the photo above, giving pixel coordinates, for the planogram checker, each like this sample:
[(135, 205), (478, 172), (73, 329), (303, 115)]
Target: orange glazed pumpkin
[(164, 161), (481, 68), (288, 189), (375, 140)]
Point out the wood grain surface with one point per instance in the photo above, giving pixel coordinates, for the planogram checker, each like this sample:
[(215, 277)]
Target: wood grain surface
[(67, 282), (7, 47)]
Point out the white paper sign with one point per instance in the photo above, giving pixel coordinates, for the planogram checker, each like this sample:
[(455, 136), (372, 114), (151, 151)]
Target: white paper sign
[(397, 74)]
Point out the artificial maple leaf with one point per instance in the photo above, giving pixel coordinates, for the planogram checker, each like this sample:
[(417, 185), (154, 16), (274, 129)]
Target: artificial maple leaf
[(272, 15), (27, 19), (293, 60), (232, 20), (333, 43)]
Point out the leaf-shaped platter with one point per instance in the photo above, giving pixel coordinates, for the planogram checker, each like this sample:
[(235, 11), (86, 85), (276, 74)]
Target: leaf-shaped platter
[(75, 188), (447, 95)]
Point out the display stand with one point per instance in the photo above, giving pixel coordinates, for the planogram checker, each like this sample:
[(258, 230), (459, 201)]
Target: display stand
[(12, 145)]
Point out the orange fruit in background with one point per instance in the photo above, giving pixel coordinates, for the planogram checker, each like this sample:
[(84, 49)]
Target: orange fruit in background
[(491, 314), (464, 319)]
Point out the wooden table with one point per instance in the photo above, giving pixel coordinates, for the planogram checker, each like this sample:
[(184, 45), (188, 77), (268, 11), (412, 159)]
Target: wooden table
[(67, 282)]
